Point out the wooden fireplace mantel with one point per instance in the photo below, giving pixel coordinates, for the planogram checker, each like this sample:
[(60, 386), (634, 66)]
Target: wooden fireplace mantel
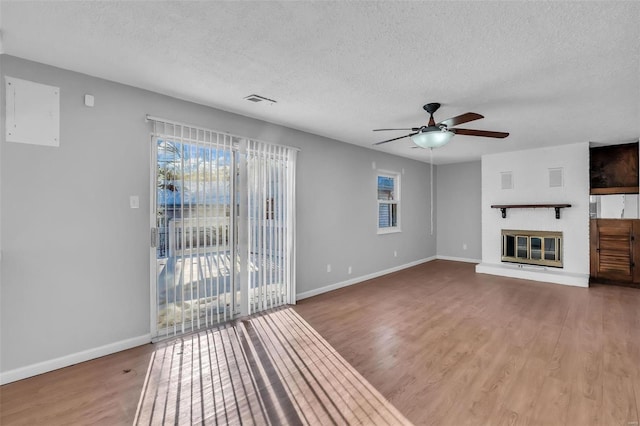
[(503, 207)]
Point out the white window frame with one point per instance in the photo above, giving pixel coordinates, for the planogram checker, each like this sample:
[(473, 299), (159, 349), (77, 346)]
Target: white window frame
[(396, 200)]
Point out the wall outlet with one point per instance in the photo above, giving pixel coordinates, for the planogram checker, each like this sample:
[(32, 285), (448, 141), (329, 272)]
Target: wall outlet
[(464, 246), (395, 253), (349, 270), (328, 267)]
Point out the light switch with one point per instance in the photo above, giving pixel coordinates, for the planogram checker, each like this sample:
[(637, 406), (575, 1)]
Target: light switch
[(134, 202), (89, 100)]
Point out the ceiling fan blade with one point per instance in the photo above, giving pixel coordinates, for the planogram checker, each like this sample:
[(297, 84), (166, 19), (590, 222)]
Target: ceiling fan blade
[(413, 129), (484, 133), (395, 139), (460, 119)]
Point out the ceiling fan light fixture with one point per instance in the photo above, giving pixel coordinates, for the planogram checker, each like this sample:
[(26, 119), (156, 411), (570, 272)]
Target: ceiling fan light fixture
[(435, 135), (432, 138)]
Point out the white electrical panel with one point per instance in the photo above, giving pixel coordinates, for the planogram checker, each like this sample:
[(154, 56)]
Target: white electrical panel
[(33, 112)]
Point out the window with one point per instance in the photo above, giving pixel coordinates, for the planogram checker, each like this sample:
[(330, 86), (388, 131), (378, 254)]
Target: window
[(388, 202)]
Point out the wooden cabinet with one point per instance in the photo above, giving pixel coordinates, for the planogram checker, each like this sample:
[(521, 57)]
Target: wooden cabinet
[(615, 251), (613, 169)]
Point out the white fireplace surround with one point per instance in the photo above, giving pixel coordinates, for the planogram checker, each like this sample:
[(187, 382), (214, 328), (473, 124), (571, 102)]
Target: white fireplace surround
[(530, 184), (535, 273)]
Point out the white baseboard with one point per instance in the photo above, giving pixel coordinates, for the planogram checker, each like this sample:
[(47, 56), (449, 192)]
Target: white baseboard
[(67, 360), (359, 279), (459, 259), (530, 273)]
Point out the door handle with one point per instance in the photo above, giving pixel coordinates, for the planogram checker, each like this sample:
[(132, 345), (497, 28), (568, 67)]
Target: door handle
[(154, 237)]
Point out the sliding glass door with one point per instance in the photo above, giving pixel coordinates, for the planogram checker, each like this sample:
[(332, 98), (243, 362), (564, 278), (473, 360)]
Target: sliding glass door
[(195, 227), (222, 227)]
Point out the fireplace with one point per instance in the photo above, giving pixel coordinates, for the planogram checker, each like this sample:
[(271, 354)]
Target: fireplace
[(542, 248)]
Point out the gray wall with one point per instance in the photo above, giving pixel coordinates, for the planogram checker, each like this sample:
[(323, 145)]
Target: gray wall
[(75, 264), (459, 189), (337, 217)]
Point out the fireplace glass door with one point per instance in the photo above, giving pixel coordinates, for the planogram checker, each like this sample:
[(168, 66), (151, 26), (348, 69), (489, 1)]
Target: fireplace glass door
[(551, 248), (522, 247), (536, 248), (532, 247)]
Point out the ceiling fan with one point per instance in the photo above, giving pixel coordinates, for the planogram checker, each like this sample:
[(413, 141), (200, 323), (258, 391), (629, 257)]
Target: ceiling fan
[(435, 135)]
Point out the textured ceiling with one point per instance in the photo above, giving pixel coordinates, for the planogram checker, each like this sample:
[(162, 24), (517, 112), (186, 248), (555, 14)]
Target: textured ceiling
[(549, 73)]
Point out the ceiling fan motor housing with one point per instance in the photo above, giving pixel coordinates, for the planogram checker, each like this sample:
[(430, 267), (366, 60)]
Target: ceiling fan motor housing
[(425, 129)]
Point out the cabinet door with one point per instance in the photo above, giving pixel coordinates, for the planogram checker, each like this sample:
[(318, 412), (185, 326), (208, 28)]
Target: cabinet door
[(613, 250), (636, 251)]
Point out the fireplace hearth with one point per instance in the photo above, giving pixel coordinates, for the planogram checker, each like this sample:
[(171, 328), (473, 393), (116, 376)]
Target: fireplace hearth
[(543, 248)]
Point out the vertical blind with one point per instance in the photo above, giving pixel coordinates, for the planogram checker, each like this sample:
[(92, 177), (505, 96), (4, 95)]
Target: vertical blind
[(271, 225), (223, 227), (194, 228)]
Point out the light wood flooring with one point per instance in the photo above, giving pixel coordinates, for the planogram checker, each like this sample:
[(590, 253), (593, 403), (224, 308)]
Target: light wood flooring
[(450, 347), (268, 369), (445, 345), (104, 391)]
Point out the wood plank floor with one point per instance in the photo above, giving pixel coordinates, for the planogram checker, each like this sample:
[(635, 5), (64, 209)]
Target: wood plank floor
[(268, 369), (104, 391), (445, 345), (450, 347)]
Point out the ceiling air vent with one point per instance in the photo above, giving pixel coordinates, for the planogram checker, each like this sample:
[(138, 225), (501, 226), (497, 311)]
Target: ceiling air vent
[(258, 98)]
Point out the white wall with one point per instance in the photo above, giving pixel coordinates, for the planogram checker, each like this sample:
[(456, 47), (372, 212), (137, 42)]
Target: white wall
[(75, 264), (459, 191), (531, 186), (617, 206)]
